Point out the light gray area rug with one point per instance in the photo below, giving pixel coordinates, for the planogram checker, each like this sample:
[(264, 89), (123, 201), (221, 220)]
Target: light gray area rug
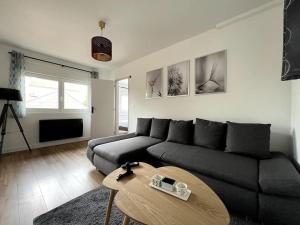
[(89, 209)]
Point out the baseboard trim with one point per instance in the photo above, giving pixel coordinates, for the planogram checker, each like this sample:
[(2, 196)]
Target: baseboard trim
[(45, 144)]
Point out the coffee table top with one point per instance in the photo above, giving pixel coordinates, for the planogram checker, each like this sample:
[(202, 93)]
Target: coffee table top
[(142, 170), (146, 205)]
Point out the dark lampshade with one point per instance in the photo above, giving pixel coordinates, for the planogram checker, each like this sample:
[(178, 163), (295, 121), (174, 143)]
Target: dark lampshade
[(10, 94), (101, 48)]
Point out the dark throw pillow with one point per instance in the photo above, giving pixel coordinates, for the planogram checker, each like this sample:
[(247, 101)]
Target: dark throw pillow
[(143, 126), (210, 134), (160, 128), (249, 139), (181, 131)]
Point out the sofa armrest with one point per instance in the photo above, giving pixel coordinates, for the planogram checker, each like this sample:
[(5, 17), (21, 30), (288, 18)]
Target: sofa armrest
[(279, 176), (296, 164), (99, 141)]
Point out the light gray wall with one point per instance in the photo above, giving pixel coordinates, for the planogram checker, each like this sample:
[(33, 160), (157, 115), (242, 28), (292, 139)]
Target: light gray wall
[(295, 120), (254, 90)]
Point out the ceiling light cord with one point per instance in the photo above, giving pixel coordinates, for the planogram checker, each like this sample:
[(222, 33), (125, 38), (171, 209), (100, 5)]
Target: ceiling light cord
[(102, 26)]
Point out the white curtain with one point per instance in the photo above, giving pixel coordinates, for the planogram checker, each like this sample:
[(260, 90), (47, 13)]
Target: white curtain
[(17, 80)]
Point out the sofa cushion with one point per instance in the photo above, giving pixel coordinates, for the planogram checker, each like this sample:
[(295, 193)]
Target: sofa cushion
[(248, 139), (160, 128), (125, 150), (237, 199), (99, 141), (279, 176), (232, 168), (90, 154), (143, 126), (181, 131), (279, 210), (210, 134)]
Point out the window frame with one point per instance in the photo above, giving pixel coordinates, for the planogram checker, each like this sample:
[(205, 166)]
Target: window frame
[(61, 81)]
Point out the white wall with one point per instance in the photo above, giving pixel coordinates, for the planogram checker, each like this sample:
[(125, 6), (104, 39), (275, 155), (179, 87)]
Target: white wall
[(13, 140), (295, 120), (254, 90)]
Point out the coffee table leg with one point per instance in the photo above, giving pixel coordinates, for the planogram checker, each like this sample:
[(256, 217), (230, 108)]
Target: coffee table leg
[(108, 209), (126, 220)]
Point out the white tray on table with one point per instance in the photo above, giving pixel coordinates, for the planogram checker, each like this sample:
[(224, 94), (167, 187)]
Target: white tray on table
[(173, 193)]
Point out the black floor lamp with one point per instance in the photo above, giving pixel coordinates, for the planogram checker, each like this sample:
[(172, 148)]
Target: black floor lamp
[(8, 95)]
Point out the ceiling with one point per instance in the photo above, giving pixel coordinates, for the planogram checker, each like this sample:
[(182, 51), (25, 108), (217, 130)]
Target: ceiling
[(63, 28)]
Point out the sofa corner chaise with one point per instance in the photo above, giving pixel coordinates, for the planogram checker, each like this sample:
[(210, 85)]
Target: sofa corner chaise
[(233, 159)]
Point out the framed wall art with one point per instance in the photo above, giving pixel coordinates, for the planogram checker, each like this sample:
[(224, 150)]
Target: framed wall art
[(179, 79), (210, 73), (154, 83)]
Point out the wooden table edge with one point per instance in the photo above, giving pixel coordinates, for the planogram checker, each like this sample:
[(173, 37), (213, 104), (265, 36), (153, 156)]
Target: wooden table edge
[(227, 216)]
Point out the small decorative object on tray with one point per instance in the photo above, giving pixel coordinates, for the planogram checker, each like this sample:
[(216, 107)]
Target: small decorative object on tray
[(156, 180), (170, 186), (181, 188)]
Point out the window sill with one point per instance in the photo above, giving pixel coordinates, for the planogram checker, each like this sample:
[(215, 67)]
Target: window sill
[(48, 111)]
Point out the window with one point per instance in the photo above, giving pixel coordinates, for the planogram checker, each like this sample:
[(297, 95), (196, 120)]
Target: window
[(75, 96), (41, 93), (44, 93)]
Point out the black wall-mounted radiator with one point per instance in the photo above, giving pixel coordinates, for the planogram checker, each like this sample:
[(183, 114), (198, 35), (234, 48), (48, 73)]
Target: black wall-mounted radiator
[(51, 130)]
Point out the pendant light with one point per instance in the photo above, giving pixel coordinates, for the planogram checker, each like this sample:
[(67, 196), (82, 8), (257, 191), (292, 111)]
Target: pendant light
[(101, 46)]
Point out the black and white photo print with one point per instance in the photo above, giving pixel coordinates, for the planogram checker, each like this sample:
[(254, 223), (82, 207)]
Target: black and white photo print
[(178, 79), (210, 73), (154, 83)]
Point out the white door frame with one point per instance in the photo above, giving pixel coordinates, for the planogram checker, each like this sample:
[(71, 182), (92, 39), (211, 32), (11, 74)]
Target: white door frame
[(116, 107)]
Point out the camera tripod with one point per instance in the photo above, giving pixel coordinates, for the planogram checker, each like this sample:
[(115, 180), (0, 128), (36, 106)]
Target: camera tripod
[(3, 122)]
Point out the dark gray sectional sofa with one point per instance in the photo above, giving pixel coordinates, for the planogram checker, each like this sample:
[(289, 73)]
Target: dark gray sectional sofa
[(266, 187)]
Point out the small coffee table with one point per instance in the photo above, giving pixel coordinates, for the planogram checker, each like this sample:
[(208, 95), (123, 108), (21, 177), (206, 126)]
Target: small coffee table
[(138, 201), (110, 181)]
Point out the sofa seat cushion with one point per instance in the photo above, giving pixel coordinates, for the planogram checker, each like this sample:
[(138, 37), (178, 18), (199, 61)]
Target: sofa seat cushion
[(231, 168), (279, 176), (99, 141), (127, 149)]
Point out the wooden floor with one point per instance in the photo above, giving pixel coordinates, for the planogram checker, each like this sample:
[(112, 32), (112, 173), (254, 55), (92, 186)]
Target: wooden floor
[(33, 183)]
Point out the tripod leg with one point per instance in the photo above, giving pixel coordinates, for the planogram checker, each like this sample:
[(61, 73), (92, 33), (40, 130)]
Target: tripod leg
[(19, 125), (4, 110), (3, 121)]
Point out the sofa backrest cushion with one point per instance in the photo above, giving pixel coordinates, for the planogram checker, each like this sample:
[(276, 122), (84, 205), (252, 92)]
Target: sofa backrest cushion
[(249, 139), (210, 134), (160, 128), (181, 131), (143, 126)]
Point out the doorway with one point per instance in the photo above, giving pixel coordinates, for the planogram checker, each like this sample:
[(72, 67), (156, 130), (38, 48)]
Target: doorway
[(103, 102), (122, 116)]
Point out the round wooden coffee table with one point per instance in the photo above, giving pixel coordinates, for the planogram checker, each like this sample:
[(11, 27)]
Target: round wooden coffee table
[(110, 181), (138, 201)]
